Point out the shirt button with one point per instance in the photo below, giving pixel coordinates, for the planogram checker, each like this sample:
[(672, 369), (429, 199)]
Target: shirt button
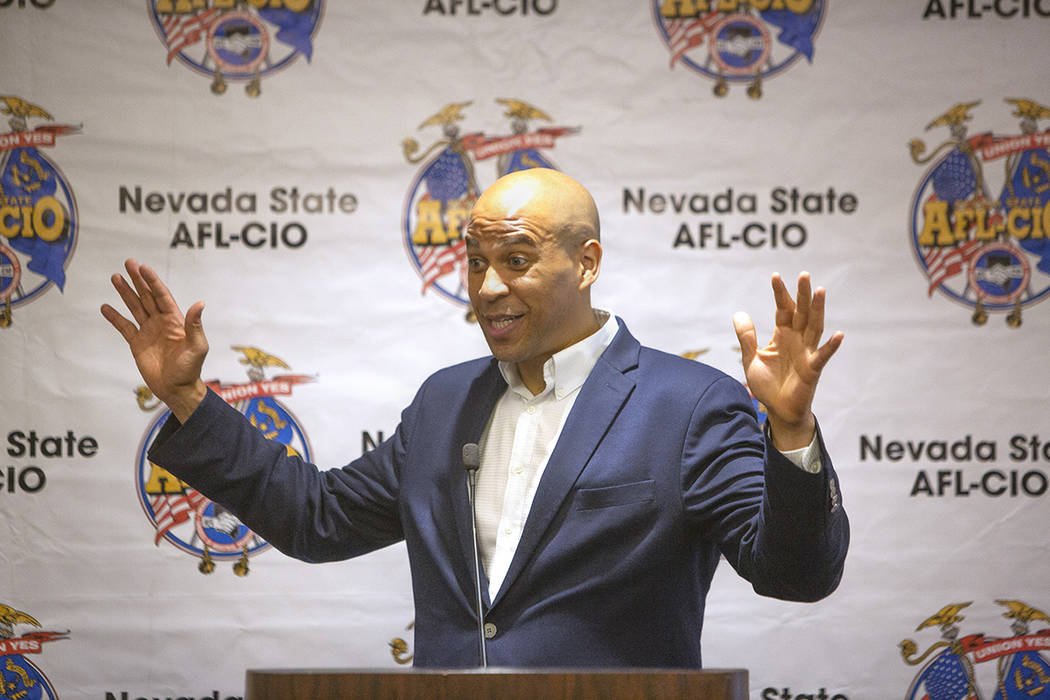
[(507, 531), (518, 469), (530, 410), (490, 630)]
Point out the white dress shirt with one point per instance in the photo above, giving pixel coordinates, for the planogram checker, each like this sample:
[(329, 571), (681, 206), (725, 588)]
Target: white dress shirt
[(520, 436)]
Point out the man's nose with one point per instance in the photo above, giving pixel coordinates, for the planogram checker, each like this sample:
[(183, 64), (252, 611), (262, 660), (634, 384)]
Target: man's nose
[(492, 284)]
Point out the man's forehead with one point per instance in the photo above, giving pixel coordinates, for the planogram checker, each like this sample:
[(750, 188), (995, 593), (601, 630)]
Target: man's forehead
[(516, 203), (515, 195)]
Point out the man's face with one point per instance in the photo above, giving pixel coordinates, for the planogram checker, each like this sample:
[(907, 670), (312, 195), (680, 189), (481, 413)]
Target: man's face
[(532, 255), (525, 288)]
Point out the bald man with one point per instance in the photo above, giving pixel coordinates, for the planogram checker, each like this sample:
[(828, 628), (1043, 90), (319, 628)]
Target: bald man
[(612, 476)]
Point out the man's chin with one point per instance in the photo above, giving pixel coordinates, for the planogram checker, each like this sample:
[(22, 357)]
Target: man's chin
[(503, 354), (503, 351)]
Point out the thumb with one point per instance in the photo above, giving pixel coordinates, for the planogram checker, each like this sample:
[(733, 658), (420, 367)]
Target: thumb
[(745, 333), (194, 327)]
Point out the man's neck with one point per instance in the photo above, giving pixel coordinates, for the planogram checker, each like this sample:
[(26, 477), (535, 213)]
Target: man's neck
[(532, 375)]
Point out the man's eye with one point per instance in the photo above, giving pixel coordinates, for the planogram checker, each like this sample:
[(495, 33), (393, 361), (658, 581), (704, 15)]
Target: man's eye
[(518, 261), (475, 264)]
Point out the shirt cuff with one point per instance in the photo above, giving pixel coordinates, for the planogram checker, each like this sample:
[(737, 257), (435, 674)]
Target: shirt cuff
[(806, 458)]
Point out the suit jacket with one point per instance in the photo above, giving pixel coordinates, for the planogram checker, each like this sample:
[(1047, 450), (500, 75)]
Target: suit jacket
[(661, 466)]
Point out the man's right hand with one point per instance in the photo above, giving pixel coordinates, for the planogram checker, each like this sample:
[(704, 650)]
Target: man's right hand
[(169, 349)]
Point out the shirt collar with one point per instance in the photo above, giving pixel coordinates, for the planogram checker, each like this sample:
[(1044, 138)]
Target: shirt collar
[(568, 369)]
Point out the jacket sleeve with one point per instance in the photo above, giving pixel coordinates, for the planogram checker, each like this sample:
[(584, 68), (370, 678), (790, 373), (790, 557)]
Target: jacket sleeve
[(305, 512), (780, 527)]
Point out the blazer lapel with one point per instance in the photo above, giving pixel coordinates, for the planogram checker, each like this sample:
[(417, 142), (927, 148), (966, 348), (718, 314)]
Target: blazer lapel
[(481, 399), (600, 400)]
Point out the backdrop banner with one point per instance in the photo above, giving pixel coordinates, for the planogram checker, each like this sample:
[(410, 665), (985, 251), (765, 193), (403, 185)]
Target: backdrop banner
[(306, 167)]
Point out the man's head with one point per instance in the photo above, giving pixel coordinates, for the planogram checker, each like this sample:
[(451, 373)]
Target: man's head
[(532, 256)]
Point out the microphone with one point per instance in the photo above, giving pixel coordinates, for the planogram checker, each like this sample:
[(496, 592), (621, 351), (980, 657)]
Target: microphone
[(471, 462)]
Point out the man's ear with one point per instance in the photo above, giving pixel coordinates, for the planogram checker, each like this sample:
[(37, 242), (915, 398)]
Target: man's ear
[(590, 262)]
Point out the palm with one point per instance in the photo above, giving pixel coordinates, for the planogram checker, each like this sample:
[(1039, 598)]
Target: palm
[(164, 355), (168, 348), (783, 375)]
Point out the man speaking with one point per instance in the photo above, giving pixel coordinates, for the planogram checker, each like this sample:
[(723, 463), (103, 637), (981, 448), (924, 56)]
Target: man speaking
[(612, 476)]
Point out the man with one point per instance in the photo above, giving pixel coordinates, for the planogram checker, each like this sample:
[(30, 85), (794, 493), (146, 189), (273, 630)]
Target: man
[(612, 475)]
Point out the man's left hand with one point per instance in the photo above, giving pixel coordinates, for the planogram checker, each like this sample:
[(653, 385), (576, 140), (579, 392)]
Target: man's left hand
[(783, 375)]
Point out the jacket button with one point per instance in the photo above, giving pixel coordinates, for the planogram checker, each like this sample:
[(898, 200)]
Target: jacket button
[(490, 630)]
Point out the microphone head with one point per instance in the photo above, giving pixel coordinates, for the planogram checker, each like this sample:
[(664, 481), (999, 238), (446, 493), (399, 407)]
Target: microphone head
[(471, 456)]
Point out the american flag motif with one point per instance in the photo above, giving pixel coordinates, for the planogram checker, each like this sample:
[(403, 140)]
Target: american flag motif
[(686, 34), (181, 31), (942, 263), (438, 261), (170, 510)]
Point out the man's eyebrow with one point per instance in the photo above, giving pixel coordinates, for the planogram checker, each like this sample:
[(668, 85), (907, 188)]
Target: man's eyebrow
[(505, 241)]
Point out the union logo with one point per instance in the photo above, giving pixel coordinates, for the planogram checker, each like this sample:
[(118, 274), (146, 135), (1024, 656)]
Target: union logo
[(952, 668), (446, 187), (983, 240), (183, 516), (38, 212), (241, 42), (20, 678), (738, 41)]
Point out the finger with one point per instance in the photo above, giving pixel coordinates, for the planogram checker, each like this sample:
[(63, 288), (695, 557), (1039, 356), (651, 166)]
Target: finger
[(125, 327), (827, 350), (745, 334), (785, 306), (194, 326), (131, 299), (815, 329), (802, 302), (162, 296), (145, 295)]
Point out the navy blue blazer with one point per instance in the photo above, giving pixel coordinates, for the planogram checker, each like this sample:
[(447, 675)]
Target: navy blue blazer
[(660, 468)]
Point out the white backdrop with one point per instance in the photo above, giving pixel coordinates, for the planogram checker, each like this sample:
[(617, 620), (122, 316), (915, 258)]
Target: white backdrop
[(137, 157)]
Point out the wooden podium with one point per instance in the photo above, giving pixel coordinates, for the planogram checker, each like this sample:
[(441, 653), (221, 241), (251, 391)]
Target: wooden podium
[(501, 683)]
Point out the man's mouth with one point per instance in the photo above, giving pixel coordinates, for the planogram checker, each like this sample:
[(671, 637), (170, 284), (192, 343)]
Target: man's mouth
[(504, 321), (498, 324)]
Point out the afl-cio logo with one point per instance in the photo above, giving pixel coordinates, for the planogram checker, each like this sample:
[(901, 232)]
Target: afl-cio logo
[(738, 41), (20, 677), (256, 40), (38, 212), (183, 516), (980, 217), (1014, 666)]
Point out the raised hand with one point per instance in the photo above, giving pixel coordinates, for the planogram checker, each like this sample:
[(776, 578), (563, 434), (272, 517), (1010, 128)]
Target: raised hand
[(169, 349), (783, 375)]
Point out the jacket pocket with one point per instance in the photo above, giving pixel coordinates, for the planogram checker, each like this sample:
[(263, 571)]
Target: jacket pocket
[(621, 495)]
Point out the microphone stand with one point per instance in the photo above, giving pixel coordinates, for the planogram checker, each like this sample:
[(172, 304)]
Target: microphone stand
[(471, 462)]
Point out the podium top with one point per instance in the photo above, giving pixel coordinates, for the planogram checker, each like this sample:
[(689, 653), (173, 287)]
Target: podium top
[(504, 683)]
